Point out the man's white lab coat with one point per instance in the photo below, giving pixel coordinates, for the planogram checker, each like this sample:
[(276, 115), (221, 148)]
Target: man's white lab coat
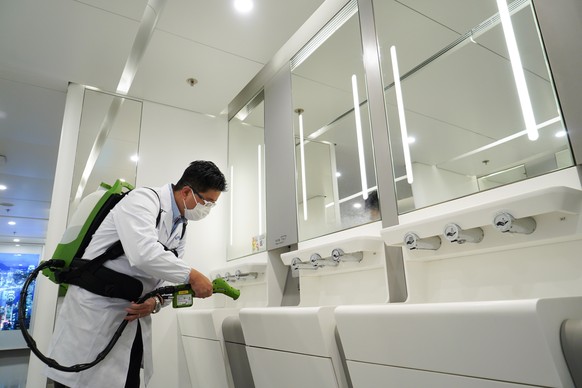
[(86, 321)]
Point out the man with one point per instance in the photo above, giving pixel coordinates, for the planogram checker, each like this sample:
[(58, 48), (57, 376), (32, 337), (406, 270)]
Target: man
[(87, 321)]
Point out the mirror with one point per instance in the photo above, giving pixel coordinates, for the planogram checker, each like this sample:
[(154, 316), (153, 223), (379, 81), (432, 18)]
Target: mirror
[(467, 86), (335, 166), (246, 161), (107, 148)]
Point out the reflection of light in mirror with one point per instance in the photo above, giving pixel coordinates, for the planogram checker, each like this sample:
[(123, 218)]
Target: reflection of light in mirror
[(504, 140), (351, 197), (359, 136), (231, 201), (515, 59), (400, 104), (302, 153), (561, 133), (243, 6), (357, 205), (260, 196)]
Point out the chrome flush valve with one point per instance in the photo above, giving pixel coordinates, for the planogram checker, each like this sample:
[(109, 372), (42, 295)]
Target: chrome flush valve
[(455, 234), (506, 223), (412, 242)]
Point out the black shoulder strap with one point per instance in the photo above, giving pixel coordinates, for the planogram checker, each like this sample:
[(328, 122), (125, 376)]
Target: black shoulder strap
[(159, 217)]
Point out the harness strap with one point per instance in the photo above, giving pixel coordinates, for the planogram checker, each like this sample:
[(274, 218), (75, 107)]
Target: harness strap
[(93, 276)]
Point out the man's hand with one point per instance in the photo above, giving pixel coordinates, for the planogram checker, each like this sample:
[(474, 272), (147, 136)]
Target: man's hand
[(201, 285), (137, 311)]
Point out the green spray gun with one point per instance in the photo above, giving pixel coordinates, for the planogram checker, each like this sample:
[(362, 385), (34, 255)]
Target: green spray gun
[(183, 296)]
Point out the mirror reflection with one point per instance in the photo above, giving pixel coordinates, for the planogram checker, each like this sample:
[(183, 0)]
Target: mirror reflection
[(335, 166), (107, 147), (246, 161), (468, 88)]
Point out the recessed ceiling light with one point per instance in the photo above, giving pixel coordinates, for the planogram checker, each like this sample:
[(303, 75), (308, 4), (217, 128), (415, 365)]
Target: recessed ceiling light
[(11, 223), (357, 205), (243, 6), (16, 240), (338, 174), (134, 158), (561, 133), (411, 139), (3, 187)]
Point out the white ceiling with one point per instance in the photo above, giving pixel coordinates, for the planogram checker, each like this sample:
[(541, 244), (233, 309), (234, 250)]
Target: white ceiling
[(47, 44)]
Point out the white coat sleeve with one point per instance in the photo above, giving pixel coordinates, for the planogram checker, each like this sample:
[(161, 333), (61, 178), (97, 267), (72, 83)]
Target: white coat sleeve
[(135, 221)]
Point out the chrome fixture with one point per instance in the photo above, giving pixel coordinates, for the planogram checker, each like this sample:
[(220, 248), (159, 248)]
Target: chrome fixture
[(238, 275), (455, 234), (317, 261), (412, 242), (506, 223), (338, 255), (297, 264)]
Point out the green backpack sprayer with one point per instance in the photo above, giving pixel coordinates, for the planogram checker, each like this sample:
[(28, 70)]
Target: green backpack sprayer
[(67, 267)]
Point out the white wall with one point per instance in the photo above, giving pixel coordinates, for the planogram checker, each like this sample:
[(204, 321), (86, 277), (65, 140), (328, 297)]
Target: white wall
[(171, 139)]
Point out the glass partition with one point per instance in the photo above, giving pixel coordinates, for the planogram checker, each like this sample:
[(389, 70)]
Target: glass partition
[(246, 161), (107, 148), (336, 177), (469, 97)]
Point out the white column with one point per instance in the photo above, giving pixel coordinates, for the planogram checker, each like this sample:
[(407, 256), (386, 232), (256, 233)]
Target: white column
[(46, 291)]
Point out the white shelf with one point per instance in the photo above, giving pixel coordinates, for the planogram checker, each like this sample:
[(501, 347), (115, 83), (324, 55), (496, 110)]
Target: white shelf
[(350, 245), (556, 211)]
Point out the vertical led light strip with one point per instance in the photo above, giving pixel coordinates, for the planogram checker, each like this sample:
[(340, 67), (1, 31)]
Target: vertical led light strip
[(231, 202), (518, 75), (400, 104), (260, 186), (302, 153), (359, 137)]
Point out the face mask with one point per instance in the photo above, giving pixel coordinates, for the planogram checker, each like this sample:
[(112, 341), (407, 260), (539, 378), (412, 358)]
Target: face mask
[(197, 213)]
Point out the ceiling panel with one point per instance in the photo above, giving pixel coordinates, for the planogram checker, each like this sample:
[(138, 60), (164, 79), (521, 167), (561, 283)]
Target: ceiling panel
[(255, 36), (170, 60)]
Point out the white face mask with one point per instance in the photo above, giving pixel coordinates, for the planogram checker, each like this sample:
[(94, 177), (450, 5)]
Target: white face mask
[(198, 212)]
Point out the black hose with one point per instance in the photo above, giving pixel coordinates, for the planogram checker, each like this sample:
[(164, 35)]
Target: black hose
[(51, 264)]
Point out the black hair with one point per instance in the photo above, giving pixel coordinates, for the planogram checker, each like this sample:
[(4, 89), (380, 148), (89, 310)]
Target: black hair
[(372, 201), (202, 175)]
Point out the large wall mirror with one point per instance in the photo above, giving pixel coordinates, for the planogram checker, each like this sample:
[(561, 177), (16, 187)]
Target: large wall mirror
[(107, 148), (468, 89), (246, 163), (336, 176)]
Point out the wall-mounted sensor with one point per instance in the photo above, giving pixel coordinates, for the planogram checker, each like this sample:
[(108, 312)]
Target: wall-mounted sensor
[(455, 234), (506, 223), (412, 242)]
